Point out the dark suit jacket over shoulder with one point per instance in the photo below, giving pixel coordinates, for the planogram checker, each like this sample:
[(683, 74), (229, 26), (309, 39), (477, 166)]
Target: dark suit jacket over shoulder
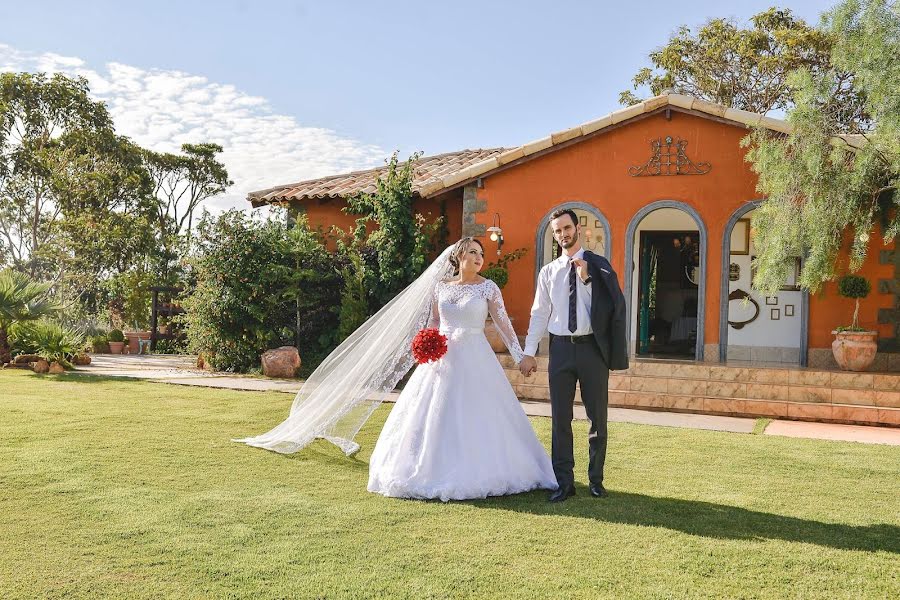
[(608, 312)]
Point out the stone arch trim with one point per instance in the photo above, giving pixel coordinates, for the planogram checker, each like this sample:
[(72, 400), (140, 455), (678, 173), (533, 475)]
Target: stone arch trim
[(545, 221), (629, 265), (723, 290)]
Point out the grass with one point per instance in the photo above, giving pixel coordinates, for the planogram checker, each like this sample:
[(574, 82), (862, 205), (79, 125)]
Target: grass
[(128, 489), (759, 427)]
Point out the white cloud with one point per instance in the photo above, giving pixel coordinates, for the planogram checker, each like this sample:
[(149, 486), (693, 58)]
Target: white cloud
[(161, 110)]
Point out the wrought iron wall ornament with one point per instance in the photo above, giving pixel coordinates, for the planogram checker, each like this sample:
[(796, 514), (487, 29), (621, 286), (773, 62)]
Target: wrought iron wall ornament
[(740, 294), (669, 158)]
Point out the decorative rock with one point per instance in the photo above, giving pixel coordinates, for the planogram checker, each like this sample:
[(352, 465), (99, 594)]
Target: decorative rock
[(281, 362), (41, 366), (81, 360), (56, 368), (26, 358)]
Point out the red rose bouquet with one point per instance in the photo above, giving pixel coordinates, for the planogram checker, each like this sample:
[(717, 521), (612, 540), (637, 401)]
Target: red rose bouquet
[(429, 345)]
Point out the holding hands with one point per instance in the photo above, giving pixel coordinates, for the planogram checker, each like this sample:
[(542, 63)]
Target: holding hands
[(528, 365)]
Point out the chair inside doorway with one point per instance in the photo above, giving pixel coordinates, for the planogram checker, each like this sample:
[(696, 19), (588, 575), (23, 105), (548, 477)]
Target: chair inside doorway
[(667, 294)]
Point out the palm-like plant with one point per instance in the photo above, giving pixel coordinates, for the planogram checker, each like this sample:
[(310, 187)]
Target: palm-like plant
[(54, 342), (21, 299)]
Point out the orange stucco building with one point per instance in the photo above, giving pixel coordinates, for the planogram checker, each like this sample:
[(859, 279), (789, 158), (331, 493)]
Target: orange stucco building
[(663, 190)]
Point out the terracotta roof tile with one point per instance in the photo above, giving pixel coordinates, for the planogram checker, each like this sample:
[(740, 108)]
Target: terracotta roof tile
[(434, 174), (428, 171)]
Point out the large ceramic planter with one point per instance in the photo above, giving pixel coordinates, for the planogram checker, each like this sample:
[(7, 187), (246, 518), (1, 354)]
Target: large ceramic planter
[(132, 338), (854, 350), (493, 336), (116, 347)]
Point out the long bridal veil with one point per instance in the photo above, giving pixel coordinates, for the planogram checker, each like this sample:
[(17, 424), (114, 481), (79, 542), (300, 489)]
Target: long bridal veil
[(341, 394)]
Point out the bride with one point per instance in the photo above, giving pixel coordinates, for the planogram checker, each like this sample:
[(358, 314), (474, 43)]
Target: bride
[(457, 430)]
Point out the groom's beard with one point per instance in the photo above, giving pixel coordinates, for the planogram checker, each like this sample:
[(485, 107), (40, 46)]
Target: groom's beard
[(570, 243)]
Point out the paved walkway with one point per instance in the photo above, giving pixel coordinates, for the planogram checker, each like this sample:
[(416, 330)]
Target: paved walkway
[(181, 370)]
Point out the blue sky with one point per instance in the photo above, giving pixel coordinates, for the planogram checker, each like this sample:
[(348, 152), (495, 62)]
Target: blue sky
[(295, 90)]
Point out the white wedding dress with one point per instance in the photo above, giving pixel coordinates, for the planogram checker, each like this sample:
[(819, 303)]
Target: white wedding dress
[(457, 430)]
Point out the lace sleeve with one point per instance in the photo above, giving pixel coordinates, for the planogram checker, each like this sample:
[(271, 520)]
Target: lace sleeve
[(501, 322), (434, 320)]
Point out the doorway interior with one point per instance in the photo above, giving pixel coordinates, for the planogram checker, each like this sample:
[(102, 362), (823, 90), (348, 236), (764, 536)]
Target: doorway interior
[(668, 276)]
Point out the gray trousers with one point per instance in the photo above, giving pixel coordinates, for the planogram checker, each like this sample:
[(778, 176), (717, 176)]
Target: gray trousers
[(583, 363)]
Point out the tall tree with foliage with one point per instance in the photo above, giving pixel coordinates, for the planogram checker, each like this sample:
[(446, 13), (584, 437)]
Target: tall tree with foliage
[(38, 117), (745, 67), (821, 188), (181, 183), (400, 245)]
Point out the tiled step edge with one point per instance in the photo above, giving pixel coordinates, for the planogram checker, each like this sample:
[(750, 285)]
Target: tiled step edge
[(745, 407)]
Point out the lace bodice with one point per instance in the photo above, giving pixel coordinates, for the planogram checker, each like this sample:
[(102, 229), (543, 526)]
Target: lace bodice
[(465, 308)]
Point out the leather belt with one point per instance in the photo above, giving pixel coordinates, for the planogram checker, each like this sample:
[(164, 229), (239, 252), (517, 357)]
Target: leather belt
[(575, 339)]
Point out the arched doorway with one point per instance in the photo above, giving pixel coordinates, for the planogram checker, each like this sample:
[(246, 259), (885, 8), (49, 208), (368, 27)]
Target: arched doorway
[(594, 228), (665, 281), (771, 329)]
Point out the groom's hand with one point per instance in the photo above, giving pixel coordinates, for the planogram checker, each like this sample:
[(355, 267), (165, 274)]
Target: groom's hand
[(581, 267), (528, 366)]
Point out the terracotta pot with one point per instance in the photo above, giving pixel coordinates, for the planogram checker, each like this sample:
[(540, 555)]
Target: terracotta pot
[(132, 338), (116, 347), (854, 350), (493, 337)]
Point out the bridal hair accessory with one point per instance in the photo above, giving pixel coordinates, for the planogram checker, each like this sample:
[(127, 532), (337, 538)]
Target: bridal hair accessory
[(429, 345)]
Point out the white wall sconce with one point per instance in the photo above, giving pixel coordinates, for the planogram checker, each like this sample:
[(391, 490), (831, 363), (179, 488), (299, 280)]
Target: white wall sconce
[(496, 233)]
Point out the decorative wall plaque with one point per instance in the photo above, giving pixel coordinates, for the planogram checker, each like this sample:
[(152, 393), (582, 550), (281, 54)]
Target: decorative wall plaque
[(669, 158), (734, 272)]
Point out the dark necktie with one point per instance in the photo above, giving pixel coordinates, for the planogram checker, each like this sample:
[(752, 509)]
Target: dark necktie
[(573, 314)]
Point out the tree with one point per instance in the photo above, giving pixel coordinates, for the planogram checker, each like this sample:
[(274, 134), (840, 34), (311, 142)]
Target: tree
[(180, 184), (399, 247), (821, 188), (745, 68), (36, 115)]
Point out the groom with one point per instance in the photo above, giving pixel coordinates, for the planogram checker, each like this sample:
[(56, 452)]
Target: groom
[(579, 301)]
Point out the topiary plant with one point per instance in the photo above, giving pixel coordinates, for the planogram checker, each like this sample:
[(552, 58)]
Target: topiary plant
[(856, 287), (498, 271), (116, 335), (497, 274)]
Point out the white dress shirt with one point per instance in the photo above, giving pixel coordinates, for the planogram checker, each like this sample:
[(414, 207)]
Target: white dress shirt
[(550, 311)]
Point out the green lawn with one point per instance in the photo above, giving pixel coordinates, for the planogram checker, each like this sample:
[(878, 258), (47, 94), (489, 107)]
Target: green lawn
[(130, 489)]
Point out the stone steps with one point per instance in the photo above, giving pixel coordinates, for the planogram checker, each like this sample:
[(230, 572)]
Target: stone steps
[(787, 393)]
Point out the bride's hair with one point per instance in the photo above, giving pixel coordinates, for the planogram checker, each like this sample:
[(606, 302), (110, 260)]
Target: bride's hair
[(459, 249)]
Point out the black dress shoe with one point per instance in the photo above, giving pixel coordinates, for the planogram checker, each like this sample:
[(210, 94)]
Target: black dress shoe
[(561, 494), (598, 491)]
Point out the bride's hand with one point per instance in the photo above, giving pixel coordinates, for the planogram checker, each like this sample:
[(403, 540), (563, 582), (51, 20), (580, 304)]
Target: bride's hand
[(528, 365)]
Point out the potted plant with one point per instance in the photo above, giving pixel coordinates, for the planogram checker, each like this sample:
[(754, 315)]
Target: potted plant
[(498, 272), (116, 341), (854, 348), (99, 344)]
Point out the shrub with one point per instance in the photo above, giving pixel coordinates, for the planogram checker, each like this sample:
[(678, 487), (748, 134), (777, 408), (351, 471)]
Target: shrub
[(856, 287), (260, 285), (52, 341), (354, 304), (116, 335), (498, 275), (99, 344), (498, 271)]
